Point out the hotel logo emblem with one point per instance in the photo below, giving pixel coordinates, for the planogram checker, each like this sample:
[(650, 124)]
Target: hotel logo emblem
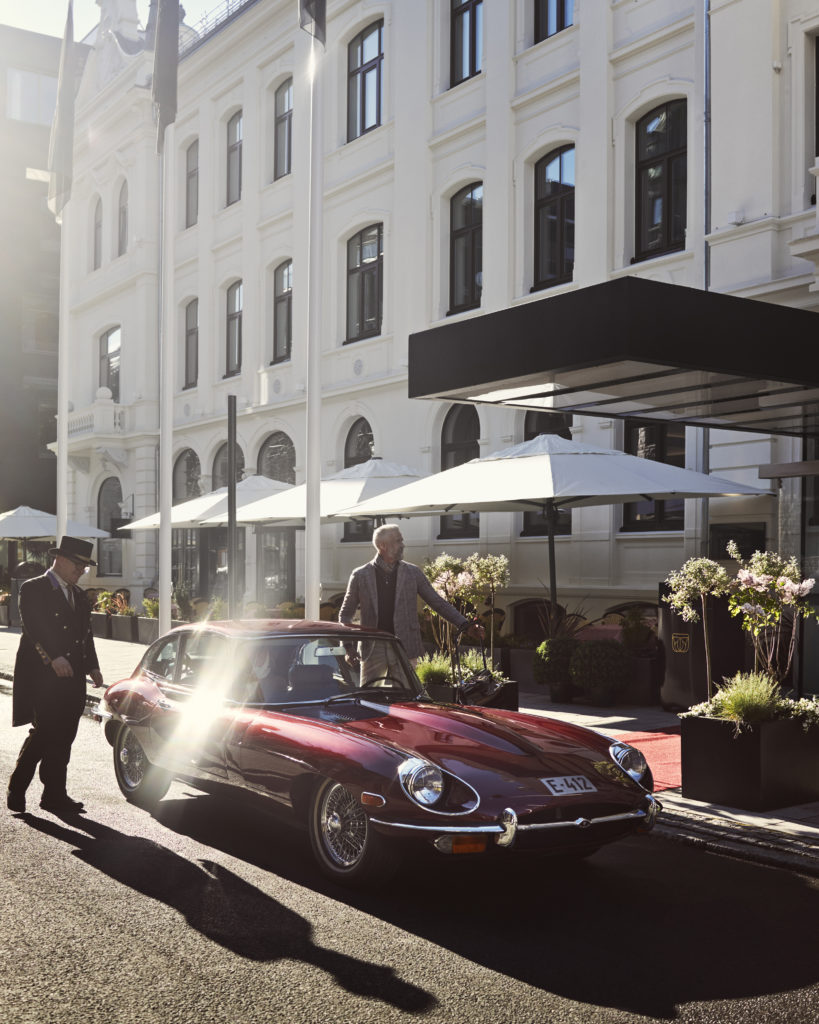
[(680, 643)]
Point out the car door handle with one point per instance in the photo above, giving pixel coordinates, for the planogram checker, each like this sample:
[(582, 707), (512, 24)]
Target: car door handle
[(164, 704)]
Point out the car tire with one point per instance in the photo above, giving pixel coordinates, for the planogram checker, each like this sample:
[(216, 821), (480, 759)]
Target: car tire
[(344, 843), (140, 782)]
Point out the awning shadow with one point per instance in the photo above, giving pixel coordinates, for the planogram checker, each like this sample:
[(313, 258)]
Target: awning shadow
[(224, 908)]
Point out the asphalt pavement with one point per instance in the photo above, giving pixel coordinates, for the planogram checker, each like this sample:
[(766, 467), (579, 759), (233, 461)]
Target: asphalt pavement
[(787, 837)]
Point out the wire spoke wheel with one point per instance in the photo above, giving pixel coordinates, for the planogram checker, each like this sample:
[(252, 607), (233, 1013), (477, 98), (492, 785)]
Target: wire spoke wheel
[(344, 843), (139, 781), (132, 760)]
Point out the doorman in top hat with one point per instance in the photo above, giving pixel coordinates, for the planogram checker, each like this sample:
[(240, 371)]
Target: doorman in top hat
[(56, 653)]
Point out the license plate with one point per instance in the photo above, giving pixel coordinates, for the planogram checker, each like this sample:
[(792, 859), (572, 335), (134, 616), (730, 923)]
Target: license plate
[(569, 785)]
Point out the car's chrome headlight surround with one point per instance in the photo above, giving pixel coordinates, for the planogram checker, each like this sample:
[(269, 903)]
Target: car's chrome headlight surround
[(422, 781), (632, 761)]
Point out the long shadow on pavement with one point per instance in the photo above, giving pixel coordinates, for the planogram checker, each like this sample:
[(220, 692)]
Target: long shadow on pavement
[(224, 908), (644, 926)]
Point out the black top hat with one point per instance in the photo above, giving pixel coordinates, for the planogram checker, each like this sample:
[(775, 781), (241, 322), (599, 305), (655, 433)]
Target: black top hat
[(75, 549)]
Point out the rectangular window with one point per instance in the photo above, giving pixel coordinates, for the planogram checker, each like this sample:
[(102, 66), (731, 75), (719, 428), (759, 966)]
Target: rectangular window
[(466, 40), (233, 357), (284, 129), (661, 182), (110, 361), (191, 343), (661, 442), (365, 58), (192, 184), (551, 17), (234, 159), (30, 96), (364, 283), (282, 311)]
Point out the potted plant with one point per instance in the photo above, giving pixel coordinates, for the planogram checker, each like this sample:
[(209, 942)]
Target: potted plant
[(123, 619), (751, 747), (148, 624), (435, 672), (600, 669), (443, 680), (101, 615), (551, 667)]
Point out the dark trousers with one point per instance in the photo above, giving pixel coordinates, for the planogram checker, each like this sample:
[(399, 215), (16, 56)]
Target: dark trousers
[(58, 707)]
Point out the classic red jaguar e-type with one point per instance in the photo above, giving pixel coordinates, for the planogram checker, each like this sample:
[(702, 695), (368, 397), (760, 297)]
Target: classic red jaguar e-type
[(330, 724)]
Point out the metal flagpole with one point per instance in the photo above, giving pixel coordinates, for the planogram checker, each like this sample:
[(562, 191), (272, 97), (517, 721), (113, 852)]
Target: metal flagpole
[(232, 551)]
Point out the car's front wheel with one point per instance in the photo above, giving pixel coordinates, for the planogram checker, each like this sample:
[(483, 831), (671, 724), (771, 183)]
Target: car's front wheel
[(140, 782), (344, 842)]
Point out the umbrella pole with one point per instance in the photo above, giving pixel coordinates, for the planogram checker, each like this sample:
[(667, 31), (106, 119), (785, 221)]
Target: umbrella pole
[(551, 517)]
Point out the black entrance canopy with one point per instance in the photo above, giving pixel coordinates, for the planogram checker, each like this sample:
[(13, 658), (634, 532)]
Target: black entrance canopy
[(633, 347)]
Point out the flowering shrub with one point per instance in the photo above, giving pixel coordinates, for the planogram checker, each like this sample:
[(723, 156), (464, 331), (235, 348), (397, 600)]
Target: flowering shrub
[(770, 595), (464, 584), (695, 582)]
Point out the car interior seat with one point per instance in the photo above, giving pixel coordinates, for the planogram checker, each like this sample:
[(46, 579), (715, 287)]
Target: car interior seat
[(312, 682)]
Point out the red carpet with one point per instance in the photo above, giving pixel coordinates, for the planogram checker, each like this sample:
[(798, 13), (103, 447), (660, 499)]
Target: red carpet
[(662, 751)]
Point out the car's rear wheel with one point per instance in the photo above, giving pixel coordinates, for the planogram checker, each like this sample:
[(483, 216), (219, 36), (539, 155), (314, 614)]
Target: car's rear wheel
[(140, 782), (344, 842)]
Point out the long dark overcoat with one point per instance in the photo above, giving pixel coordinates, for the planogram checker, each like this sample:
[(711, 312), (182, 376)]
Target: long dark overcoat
[(51, 628)]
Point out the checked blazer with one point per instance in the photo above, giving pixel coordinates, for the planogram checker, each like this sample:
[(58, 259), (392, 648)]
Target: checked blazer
[(410, 584)]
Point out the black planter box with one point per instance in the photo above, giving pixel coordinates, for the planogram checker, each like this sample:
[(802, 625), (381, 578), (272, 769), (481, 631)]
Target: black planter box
[(124, 627), (768, 765), (101, 625), (147, 629), (506, 697)]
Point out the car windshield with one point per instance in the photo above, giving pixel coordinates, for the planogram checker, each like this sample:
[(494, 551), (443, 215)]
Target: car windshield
[(297, 670)]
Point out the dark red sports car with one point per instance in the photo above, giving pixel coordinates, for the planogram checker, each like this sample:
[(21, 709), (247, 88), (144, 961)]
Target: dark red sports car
[(330, 725)]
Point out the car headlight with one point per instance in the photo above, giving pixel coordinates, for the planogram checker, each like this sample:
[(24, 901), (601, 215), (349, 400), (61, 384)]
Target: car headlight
[(422, 781), (631, 761)]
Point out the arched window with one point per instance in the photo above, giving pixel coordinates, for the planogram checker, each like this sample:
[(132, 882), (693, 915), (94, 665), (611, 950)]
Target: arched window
[(536, 423), (282, 311), (109, 514), (109, 361), (466, 40), (358, 448), (96, 242), (233, 329), (459, 444), (192, 184), (277, 458), (122, 220), (191, 343), (220, 466), (554, 218), (187, 473), (283, 156), (365, 284), (234, 159), (364, 61), (466, 248), (662, 158)]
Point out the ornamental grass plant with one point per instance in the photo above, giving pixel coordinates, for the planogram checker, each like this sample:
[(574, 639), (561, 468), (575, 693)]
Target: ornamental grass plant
[(749, 698)]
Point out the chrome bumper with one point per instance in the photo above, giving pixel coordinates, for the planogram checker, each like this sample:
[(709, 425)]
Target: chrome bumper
[(508, 826)]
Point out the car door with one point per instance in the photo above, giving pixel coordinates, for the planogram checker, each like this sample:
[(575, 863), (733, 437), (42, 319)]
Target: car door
[(196, 712)]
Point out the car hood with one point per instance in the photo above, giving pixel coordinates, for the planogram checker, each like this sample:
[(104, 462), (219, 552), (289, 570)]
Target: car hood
[(486, 746)]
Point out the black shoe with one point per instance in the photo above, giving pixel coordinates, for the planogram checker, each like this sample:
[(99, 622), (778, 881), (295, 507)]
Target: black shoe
[(16, 801), (62, 805)]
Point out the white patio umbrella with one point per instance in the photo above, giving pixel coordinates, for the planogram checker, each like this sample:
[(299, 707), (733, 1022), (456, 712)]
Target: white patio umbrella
[(351, 485), (25, 523), (544, 474), (190, 513)]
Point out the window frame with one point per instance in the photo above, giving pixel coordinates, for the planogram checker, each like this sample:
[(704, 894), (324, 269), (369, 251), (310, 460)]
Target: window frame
[(192, 184), (122, 220), (666, 159), (191, 368), (534, 523), (563, 17), (282, 300), (464, 525), (358, 278), (662, 519), (358, 530), (233, 162), (219, 469), (560, 200), (283, 131), (109, 549), (110, 369), (473, 231), (234, 295), (286, 458), (460, 9), (357, 81)]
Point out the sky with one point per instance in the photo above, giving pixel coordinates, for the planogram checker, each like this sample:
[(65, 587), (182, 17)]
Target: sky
[(48, 16)]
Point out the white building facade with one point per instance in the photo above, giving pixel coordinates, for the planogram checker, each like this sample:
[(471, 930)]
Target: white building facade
[(474, 155)]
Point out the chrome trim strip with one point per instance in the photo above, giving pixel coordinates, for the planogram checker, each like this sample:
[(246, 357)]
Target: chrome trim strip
[(459, 829), (584, 822)]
